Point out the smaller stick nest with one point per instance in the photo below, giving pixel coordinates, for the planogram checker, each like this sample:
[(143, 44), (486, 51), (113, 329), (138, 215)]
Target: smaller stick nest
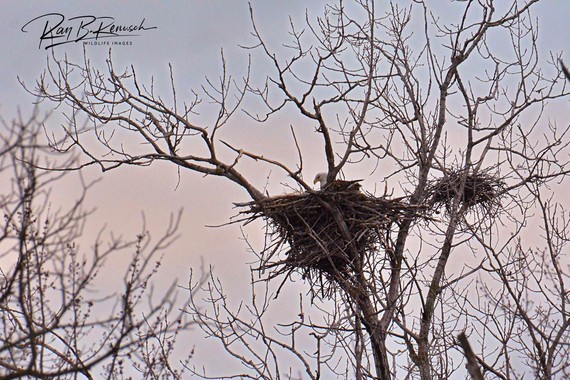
[(326, 233), (481, 189)]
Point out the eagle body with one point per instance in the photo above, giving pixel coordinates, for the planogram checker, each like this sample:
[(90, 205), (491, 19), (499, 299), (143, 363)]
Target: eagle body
[(336, 185)]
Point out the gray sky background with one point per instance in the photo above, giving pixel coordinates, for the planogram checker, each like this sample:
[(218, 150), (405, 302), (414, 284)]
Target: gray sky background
[(190, 35)]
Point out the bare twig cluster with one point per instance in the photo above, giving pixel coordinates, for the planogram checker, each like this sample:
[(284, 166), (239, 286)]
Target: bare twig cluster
[(56, 321), (476, 191)]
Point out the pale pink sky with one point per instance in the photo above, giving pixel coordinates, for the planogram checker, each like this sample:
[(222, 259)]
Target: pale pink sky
[(190, 35)]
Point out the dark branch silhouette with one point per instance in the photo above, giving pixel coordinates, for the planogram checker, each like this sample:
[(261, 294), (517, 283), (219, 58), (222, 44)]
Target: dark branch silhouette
[(453, 118)]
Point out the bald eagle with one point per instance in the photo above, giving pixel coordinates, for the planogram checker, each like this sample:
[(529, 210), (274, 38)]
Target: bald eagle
[(337, 184)]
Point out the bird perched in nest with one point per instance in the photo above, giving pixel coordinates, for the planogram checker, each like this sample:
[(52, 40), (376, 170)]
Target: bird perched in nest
[(337, 184)]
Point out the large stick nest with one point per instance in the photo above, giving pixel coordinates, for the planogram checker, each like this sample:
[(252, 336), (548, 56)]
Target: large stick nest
[(326, 235), (480, 191)]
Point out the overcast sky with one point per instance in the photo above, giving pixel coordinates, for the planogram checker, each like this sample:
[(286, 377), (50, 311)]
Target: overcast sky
[(189, 35)]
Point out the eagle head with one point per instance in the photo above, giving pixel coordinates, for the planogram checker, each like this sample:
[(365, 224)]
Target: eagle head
[(322, 179)]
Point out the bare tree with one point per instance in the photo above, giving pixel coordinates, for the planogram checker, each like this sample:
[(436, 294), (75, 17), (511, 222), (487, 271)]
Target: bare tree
[(55, 323), (454, 114)]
